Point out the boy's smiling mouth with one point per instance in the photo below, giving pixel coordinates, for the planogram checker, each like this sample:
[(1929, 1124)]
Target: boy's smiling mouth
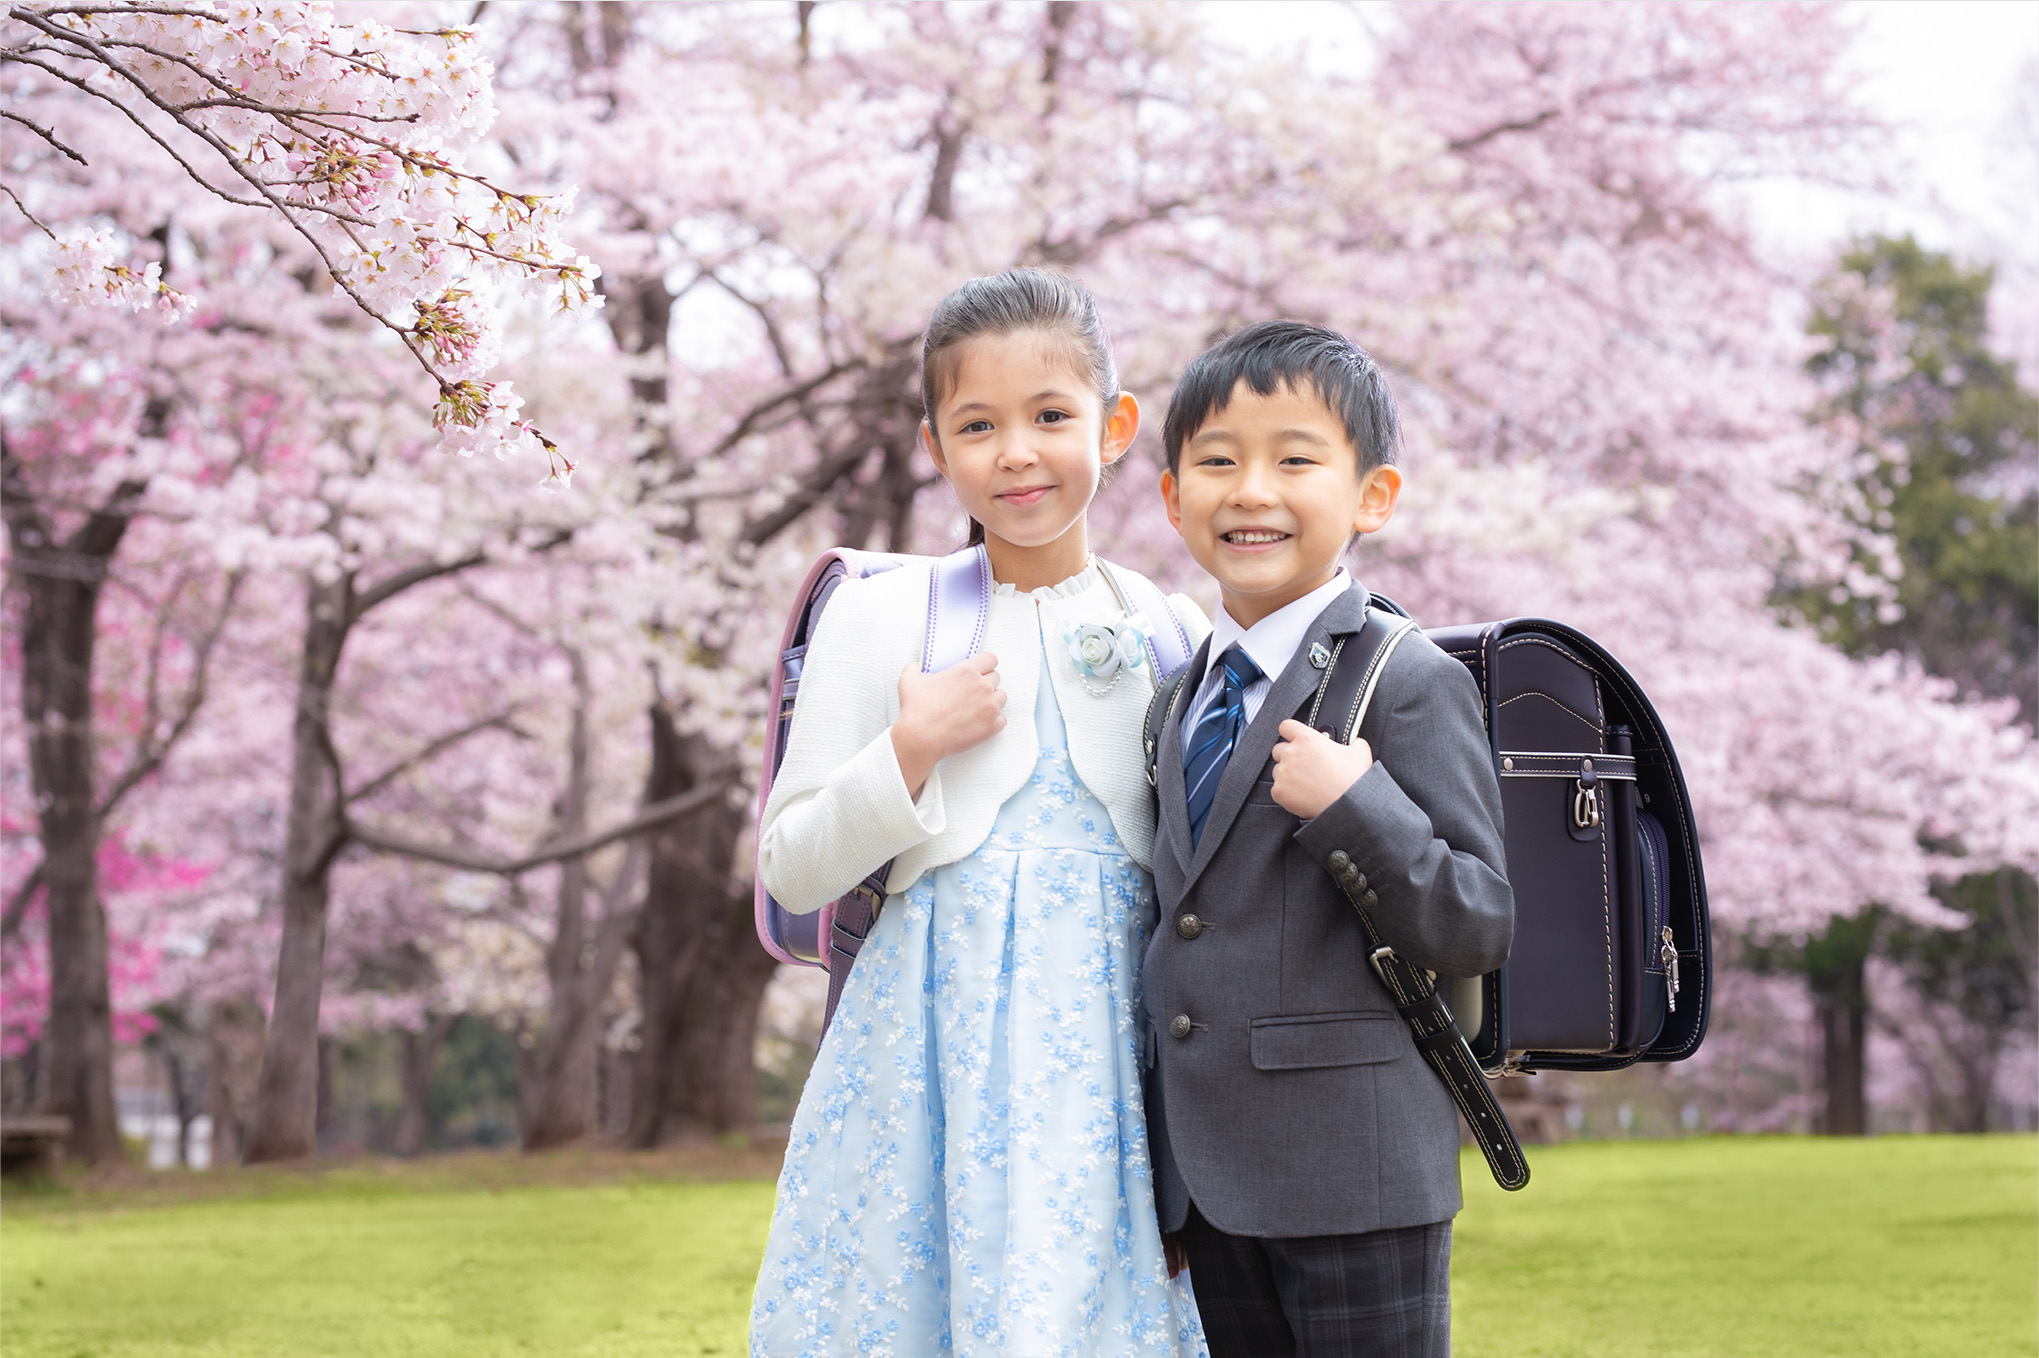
[(1253, 537)]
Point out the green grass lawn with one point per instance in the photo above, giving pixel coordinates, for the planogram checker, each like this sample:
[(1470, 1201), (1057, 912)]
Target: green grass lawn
[(1724, 1246)]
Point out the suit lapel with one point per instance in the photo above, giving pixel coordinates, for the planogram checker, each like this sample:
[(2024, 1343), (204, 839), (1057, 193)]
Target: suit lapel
[(1174, 797), (1344, 614)]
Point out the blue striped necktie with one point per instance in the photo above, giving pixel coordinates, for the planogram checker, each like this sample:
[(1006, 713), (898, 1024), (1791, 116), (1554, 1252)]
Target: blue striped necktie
[(1217, 731)]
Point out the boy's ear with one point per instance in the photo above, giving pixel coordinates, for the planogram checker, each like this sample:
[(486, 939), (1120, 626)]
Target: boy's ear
[(1121, 425), (933, 447), (1378, 492), (1171, 500)]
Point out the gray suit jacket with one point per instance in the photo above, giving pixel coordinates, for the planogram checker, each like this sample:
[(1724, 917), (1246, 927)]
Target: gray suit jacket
[(1284, 1093)]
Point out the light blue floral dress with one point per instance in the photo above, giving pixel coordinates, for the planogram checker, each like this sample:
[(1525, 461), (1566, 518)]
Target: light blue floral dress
[(967, 1172)]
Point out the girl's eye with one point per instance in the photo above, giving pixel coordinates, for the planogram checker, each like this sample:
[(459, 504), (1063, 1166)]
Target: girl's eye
[(976, 427), (1052, 416)]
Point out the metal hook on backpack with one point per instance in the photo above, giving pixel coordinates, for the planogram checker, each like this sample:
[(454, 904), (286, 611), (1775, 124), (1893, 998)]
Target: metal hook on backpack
[(1586, 799)]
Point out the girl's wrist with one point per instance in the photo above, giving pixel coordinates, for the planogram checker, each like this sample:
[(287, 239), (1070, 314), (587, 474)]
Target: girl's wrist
[(915, 765)]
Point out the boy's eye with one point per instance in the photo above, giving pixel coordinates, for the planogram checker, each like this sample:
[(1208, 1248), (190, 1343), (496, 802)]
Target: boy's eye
[(1298, 460), (1214, 460)]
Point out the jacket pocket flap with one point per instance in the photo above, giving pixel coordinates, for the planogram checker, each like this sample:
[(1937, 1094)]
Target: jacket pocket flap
[(1325, 1040)]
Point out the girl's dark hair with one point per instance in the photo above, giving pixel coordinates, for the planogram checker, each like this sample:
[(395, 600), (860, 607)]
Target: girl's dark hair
[(1018, 299)]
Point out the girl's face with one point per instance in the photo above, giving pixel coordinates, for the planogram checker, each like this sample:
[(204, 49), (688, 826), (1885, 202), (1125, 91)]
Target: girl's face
[(1020, 437)]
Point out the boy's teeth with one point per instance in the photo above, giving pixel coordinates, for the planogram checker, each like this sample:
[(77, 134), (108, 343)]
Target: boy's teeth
[(1246, 536)]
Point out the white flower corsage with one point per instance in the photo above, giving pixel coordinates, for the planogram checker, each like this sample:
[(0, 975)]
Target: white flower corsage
[(1102, 651)]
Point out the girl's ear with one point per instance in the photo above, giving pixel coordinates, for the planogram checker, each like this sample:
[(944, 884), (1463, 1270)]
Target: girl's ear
[(933, 447), (1121, 424), (1377, 495)]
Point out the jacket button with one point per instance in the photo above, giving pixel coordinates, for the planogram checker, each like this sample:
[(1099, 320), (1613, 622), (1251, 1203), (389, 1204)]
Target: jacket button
[(1189, 926), (1359, 882), (1372, 899), (1179, 1026), (1340, 860)]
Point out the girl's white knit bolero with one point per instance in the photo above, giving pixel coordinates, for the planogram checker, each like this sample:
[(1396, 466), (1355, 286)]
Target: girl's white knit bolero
[(839, 807)]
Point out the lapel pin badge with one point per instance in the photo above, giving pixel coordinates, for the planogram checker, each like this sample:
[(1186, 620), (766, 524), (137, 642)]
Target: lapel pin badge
[(1319, 657)]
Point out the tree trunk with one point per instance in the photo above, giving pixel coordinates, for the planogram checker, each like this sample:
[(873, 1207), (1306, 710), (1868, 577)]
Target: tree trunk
[(181, 1072), (714, 1088), (688, 909), (329, 1057), (561, 1098), (1835, 964), (221, 1106), (561, 1101), (286, 1101), (1844, 1106), (60, 583), (420, 1057)]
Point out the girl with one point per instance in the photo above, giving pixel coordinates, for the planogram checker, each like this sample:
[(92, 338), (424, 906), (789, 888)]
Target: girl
[(967, 1172)]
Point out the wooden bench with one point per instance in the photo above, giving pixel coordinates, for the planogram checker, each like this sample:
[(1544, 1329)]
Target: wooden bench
[(33, 1144)]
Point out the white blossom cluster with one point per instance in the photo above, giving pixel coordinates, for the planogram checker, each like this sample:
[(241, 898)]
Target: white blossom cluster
[(90, 271), (355, 134)]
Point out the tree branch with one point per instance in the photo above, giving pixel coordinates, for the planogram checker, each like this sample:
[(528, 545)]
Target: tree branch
[(651, 817), (18, 907), (499, 721), (45, 133), (404, 579), (151, 752)]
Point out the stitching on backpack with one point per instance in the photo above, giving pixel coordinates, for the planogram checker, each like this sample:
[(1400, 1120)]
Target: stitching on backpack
[(1684, 818), (1539, 693), (1607, 928), (983, 600), (1485, 632)]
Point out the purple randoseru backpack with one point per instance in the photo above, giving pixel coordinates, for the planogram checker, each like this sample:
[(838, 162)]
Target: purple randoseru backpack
[(959, 588)]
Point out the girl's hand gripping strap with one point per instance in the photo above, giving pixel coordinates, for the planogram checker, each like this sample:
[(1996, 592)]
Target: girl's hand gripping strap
[(958, 612), (1337, 709)]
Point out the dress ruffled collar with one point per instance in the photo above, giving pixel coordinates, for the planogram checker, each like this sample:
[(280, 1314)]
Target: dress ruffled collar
[(1068, 589)]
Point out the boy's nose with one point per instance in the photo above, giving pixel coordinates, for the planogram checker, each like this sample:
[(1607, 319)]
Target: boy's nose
[(1255, 486)]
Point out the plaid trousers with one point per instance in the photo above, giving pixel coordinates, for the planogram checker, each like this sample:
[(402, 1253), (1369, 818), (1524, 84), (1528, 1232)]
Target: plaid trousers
[(1379, 1294)]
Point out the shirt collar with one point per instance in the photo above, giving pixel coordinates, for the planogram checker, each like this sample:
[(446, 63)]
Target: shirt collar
[(1271, 643)]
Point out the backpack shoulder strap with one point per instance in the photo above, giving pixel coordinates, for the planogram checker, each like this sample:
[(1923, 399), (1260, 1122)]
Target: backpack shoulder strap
[(1167, 639), (1159, 708), (958, 608), (1357, 661), (1336, 709)]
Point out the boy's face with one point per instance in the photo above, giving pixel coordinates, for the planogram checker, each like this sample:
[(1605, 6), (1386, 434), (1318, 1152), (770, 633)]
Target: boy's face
[(1267, 494)]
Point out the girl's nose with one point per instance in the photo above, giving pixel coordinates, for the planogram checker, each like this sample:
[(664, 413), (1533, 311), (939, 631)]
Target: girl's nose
[(1015, 451)]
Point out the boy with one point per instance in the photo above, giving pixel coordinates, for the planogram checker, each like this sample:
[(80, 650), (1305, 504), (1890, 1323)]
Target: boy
[(1305, 1156)]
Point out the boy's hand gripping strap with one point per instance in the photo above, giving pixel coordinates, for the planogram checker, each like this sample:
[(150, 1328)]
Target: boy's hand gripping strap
[(1337, 709)]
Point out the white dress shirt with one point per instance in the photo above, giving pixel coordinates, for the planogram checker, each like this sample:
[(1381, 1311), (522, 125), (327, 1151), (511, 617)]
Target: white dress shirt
[(1270, 643)]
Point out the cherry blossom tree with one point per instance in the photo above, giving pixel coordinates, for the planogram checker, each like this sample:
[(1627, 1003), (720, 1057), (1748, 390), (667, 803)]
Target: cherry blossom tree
[(352, 135), (461, 711)]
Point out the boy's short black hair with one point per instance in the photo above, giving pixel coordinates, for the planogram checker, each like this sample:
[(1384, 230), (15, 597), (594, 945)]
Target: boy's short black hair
[(1288, 355)]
